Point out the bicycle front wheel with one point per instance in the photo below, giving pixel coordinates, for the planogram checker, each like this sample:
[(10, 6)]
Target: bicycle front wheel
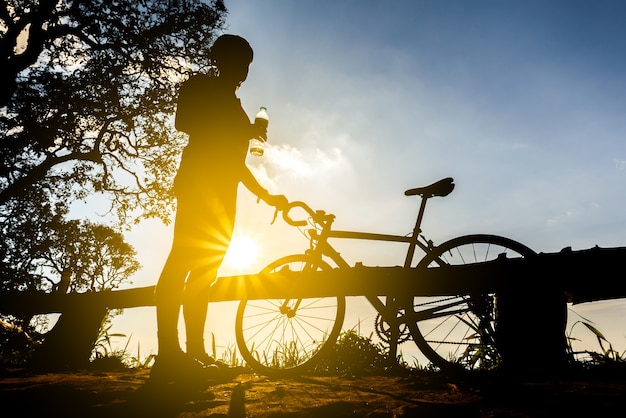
[(458, 331), (281, 337)]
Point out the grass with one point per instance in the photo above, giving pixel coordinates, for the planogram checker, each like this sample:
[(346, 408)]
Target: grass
[(353, 353), (606, 355)]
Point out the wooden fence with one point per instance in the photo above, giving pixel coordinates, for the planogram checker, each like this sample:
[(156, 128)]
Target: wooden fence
[(580, 276)]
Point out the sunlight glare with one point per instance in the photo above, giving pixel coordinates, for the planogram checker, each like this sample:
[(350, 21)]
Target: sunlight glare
[(242, 253)]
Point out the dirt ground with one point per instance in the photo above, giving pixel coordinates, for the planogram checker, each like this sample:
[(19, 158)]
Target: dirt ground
[(129, 393)]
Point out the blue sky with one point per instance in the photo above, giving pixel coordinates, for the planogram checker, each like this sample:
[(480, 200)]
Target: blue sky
[(522, 102)]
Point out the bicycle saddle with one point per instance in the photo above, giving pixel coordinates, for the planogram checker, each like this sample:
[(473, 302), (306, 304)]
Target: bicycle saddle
[(440, 188)]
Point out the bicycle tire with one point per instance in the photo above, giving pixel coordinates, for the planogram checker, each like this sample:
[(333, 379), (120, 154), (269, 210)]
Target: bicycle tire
[(276, 341), (458, 332)]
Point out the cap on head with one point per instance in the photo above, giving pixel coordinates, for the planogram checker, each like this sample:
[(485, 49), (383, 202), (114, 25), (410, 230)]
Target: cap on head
[(231, 48)]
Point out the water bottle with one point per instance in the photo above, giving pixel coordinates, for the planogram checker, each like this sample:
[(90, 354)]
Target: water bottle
[(256, 145)]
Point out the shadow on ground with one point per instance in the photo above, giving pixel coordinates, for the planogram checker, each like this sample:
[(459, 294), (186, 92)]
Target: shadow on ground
[(129, 393)]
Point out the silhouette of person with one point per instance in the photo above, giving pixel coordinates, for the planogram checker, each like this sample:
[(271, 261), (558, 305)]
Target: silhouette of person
[(212, 166)]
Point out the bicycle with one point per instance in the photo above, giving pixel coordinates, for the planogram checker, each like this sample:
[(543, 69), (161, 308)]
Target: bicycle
[(279, 337)]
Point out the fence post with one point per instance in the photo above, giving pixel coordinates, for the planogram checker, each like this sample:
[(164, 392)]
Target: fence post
[(69, 344), (530, 330)]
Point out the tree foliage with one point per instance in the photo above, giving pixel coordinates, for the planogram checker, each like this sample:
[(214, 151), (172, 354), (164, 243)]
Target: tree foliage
[(89, 90), (87, 96), (42, 251)]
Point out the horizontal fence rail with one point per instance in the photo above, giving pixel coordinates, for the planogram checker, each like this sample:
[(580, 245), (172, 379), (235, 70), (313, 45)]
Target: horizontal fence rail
[(586, 275)]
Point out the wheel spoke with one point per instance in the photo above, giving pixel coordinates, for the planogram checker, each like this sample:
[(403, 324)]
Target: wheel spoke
[(290, 333), (459, 330)]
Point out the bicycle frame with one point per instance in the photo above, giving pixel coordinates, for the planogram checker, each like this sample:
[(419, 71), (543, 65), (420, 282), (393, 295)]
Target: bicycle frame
[(413, 240), (320, 247), (319, 241)]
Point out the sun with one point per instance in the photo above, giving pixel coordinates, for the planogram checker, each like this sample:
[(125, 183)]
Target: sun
[(242, 253)]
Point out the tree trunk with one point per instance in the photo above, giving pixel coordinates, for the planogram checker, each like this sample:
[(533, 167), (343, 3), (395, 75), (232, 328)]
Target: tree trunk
[(69, 344)]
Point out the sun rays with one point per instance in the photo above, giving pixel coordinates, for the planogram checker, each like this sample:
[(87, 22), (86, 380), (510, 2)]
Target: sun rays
[(242, 254)]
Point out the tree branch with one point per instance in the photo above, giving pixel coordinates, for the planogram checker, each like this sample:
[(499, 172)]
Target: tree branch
[(39, 172)]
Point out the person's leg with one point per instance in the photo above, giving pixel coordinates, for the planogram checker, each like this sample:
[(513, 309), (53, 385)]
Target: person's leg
[(195, 307), (168, 295), (215, 228), (171, 284), (172, 365)]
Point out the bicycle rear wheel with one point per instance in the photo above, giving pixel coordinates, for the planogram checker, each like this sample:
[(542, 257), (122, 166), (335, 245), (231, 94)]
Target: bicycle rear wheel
[(458, 331), (280, 337)]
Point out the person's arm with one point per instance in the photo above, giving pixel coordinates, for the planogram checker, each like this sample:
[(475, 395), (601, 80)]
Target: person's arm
[(253, 185)]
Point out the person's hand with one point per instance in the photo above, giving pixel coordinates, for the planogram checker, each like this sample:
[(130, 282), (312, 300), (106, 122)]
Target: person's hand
[(278, 200), (258, 131)]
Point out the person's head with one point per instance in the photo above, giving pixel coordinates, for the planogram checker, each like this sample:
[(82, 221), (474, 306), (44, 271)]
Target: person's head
[(232, 55)]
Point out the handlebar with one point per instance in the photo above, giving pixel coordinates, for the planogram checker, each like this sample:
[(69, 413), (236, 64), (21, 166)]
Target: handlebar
[(296, 204), (318, 216)]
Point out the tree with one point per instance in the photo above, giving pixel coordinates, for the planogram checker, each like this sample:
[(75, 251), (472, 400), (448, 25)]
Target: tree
[(87, 96), (89, 89), (95, 256), (26, 236), (59, 256)]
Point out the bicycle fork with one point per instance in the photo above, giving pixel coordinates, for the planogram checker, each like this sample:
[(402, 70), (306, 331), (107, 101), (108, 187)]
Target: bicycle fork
[(285, 308), (290, 312)]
